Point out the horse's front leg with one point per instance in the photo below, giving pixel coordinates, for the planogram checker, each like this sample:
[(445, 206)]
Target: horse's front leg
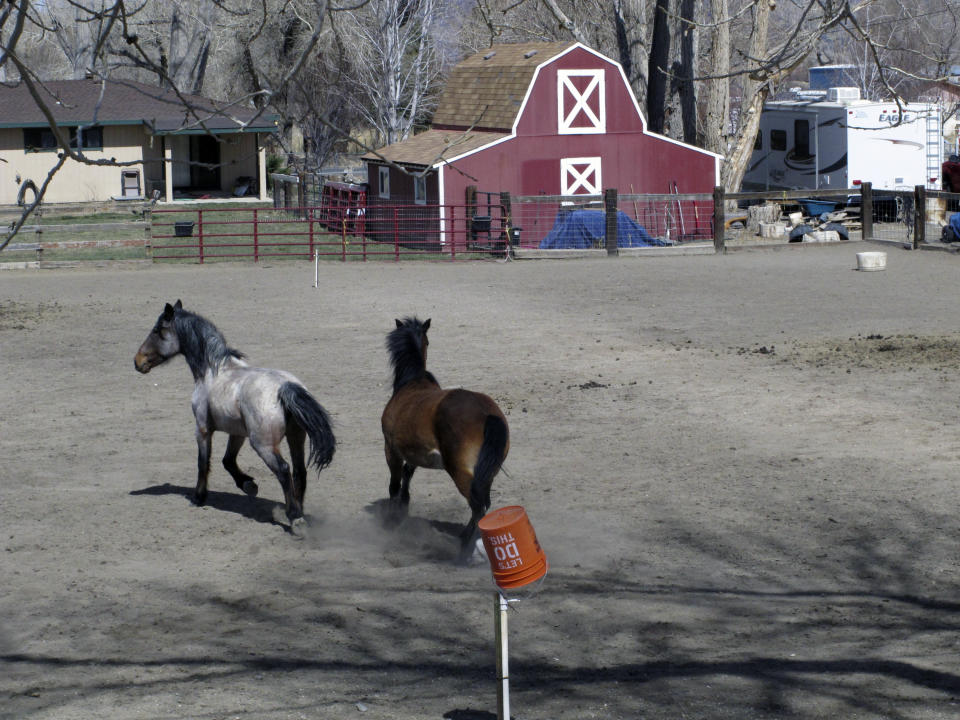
[(204, 443), (204, 434), (243, 481)]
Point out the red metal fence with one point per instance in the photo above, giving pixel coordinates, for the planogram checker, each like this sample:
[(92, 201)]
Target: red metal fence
[(391, 232)]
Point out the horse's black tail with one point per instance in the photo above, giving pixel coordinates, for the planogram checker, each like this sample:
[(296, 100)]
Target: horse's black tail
[(496, 435), (301, 406)]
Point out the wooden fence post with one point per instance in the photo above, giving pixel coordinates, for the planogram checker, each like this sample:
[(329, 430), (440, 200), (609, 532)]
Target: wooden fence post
[(866, 211), (919, 215), (611, 206), (719, 220)]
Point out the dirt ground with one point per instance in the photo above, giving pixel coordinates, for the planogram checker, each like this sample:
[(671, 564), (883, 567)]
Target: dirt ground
[(743, 470)]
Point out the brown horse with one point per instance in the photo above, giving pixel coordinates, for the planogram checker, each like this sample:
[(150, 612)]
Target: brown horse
[(459, 431)]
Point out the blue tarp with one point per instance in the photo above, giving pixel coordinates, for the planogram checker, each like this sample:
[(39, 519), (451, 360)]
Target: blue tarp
[(954, 224), (578, 229)]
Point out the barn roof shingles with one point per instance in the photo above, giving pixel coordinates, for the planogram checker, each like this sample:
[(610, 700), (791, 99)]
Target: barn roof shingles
[(479, 104)]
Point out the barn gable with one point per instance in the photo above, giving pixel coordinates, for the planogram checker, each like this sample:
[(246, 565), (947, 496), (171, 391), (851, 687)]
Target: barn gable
[(547, 118)]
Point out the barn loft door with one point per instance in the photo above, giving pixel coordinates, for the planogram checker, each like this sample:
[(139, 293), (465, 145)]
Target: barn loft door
[(580, 176), (581, 108)]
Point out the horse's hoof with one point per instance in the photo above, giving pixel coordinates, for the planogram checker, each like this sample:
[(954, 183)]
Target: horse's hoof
[(298, 528), (250, 488), (472, 554), (199, 500)]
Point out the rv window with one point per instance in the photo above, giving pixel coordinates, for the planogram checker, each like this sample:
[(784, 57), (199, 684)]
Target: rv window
[(758, 143), (778, 139), (801, 138)]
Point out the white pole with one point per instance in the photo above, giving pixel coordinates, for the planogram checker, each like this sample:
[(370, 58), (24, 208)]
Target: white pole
[(316, 269), (503, 669)]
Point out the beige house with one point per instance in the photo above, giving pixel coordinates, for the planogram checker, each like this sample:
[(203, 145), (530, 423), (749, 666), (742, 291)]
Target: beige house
[(152, 142)]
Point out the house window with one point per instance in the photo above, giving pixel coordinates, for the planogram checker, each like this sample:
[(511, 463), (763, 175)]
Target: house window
[(581, 103), (43, 139), (384, 182), (91, 138), (420, 189), (801, 138), (778, 140)]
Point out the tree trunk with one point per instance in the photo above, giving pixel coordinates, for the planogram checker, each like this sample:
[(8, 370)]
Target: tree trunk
[(630, 24), (681, 101), (756, 88), (717, 94), (657, 69)]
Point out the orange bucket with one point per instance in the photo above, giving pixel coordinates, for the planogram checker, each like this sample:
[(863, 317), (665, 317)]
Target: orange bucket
[(515, 555)]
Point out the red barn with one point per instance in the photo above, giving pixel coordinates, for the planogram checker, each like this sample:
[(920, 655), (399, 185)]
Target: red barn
[(537, 119)]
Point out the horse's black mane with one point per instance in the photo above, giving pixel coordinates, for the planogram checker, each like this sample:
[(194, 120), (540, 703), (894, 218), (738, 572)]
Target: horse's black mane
[(202, 345), (405, 346)]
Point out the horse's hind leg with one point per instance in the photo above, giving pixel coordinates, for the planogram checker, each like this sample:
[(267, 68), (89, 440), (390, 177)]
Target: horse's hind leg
[(243, 481), (274, 460), (468, 535), (400, 474), (296, 439)]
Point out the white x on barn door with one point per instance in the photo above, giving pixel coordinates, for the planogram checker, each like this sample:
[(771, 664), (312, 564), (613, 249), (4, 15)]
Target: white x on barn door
[(581, 106), (580, 176)]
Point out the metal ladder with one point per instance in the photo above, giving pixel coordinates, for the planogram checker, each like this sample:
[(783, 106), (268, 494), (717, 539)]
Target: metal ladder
[(934, 150)]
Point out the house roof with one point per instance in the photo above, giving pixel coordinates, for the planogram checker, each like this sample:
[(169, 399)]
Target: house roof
[(122, 102), (486, 90), (434, 146)]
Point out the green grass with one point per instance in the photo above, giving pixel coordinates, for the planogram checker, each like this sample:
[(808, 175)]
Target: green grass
[(228, 235)]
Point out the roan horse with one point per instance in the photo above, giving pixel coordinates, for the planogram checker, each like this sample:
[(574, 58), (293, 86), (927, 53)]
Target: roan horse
[(460, 431), (245, 402)]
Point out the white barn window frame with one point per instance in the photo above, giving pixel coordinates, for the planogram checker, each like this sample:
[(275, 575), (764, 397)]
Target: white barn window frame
[(581, 176), (566, 89)]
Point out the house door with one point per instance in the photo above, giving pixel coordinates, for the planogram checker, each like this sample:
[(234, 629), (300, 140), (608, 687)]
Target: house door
[(204, 150)]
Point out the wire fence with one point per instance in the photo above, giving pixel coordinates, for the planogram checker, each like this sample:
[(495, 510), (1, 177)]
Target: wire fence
[(564, 222), (349, 225)]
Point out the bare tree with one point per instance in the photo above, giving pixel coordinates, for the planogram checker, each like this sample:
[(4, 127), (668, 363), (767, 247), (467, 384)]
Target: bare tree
[(397, 58), (124, 40)]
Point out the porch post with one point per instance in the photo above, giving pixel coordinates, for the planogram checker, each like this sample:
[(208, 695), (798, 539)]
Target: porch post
[(262, 167), (167, 170)]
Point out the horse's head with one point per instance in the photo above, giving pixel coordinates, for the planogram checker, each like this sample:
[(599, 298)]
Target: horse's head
[(412, 327), (161, 344), (407, 345)]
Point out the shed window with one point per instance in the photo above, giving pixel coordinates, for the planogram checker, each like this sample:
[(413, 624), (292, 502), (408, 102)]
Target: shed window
[(384, 176), (420, 190), (778, 140), (801, 138)]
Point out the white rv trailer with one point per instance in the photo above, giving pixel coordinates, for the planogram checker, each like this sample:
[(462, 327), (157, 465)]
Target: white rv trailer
[(840, 141)]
